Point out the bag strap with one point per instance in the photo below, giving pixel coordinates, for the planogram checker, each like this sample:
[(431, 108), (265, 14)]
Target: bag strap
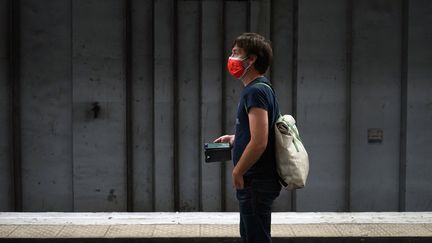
[(291, 127), (267, 85), (271, 88)]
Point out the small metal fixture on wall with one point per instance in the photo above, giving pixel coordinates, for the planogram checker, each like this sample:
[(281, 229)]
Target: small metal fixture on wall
[(375, 135)]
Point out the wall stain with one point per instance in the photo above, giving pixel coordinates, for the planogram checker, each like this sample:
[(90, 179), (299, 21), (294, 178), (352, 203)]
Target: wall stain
[(112, 197)]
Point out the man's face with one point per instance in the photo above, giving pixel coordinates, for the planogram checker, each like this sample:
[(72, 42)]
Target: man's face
[(238, 52)]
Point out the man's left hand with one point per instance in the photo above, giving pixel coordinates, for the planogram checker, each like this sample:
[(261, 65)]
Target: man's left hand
[(238, 181)]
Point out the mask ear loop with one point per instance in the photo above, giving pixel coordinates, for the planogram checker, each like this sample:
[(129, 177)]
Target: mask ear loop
[(246, 69)]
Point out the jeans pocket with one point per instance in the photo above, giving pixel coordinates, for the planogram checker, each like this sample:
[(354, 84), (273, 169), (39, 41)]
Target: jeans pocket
[(244, 194)]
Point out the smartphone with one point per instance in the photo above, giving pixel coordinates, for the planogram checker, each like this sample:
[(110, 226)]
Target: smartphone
[(217, 152)]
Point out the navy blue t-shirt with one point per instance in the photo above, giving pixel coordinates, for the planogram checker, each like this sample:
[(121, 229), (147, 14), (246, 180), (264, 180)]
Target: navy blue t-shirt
[(261, 96)]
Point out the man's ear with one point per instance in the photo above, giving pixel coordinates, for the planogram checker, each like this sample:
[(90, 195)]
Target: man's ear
[(252, 59)]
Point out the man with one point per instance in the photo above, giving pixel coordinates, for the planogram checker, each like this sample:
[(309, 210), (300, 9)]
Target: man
[(254, 175)]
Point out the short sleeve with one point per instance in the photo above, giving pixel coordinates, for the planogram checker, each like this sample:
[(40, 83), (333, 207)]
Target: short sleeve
[(255, 98)]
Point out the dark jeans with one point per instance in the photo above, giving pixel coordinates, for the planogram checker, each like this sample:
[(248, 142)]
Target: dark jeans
[(255, 202)]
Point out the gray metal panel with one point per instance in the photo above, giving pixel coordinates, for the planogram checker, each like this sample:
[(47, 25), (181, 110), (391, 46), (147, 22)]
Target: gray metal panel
[(281, 70), (375, 104), (142, 68), (46, 106), (321, 116), (282, 43), (5, 156), (419, 120), (188, 58), (164, 105), (260, 17), (211, 99), (98, 76), (233, 87)]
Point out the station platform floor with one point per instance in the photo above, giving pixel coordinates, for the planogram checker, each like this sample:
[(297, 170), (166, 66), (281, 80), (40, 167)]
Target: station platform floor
[(213, 227)]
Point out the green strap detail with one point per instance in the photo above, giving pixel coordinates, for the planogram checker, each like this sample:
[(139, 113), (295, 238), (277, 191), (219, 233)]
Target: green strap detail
[(296, 136), (295, 145), (295, 132)]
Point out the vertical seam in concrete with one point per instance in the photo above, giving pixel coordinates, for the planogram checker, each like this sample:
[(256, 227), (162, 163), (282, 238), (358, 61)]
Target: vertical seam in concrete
[(14, 103), (295, 55), (199, 140), (248, 16), (404, 103), (271, 30), (176, 107), (294, 81), (223, 105), (128, 99), (153, 107), (349, 32), (72, 105)]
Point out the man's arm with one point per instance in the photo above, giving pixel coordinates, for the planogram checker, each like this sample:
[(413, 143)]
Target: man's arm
[(258, 124)]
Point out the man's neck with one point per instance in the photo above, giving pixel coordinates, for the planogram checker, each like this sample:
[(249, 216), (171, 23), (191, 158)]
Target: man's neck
[(250, 76)]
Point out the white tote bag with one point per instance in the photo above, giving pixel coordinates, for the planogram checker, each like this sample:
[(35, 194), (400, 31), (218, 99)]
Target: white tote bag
[(292, 160)]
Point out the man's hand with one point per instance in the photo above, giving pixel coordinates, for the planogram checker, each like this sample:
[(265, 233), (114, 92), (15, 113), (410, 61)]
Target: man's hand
[(226, 139), (237, 179)]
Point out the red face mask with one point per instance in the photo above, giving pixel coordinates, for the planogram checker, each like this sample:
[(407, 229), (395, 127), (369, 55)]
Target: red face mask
[(235, 67)]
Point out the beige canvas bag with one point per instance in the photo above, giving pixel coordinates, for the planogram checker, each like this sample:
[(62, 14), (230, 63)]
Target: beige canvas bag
[(292, 160)]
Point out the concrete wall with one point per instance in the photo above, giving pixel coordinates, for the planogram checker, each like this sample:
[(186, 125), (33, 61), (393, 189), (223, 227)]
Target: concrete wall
[(115, 103), (46, 106), (321, 96), (419, 108), (6, 200), (376, 103)]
